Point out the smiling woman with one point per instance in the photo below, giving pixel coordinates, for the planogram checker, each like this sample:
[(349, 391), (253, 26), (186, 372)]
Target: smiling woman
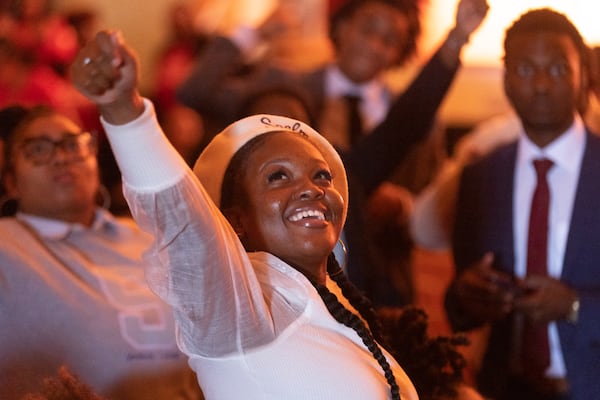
[(243, 247)]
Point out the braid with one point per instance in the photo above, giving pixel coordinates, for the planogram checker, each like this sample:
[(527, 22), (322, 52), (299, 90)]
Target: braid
[(349, 319), (358, 300)]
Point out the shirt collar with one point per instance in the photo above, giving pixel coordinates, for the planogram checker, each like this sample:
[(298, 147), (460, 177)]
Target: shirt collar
[(337, 85), (565, 151), (55, 229)]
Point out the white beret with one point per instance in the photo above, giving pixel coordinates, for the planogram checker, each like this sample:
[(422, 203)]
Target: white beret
[(213, 161)]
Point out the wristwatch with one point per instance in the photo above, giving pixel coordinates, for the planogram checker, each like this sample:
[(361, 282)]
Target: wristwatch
[(573, 314)]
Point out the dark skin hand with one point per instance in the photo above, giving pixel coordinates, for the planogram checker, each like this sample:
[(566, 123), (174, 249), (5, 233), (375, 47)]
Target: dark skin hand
[(106, 71), (490, 295), (485, 293), (544, 299)]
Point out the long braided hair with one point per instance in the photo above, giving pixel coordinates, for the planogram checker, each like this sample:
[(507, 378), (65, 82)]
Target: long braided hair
[(369, 334)]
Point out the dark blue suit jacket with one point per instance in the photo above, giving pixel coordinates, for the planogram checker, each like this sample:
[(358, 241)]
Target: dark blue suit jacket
[(484, 223)]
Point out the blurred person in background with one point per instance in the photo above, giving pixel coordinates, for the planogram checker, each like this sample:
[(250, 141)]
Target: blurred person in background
[(174, 61), (72, 289)]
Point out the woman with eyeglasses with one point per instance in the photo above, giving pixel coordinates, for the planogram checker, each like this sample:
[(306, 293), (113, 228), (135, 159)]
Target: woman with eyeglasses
[(72, 290)]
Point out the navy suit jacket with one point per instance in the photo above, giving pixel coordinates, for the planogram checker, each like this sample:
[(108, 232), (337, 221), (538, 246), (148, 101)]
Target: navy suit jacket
[(484, 222)]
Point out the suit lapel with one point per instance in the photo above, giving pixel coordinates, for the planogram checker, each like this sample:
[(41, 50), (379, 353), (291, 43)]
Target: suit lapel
[(503, 208), (585, 218)]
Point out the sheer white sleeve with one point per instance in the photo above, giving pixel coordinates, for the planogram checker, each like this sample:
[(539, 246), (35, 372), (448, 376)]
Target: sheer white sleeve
[(196, 263)]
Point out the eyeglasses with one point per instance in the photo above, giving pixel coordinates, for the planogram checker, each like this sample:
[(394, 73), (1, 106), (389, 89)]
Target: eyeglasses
[(41, 150)]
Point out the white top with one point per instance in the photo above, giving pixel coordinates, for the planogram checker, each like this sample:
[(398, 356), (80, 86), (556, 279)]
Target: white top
[(374, 94), (76, 296), (253, 327)]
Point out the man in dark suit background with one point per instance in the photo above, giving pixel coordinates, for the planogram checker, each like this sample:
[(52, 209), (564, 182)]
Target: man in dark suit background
[(545, 80)]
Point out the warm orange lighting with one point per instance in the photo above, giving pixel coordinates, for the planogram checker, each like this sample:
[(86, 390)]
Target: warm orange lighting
[(486, 45)]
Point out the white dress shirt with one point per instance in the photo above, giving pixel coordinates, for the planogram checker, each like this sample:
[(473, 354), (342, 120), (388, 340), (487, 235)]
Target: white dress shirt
[(566, 152), (375, 96)]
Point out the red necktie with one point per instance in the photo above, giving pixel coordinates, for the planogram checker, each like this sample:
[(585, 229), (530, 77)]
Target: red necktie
[(536, 351)]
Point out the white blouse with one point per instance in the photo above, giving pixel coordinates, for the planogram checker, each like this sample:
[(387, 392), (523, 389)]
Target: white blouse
[(252, 326)]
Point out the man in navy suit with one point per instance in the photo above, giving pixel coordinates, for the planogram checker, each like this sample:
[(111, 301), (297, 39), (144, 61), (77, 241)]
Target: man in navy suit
[(545, 80)]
